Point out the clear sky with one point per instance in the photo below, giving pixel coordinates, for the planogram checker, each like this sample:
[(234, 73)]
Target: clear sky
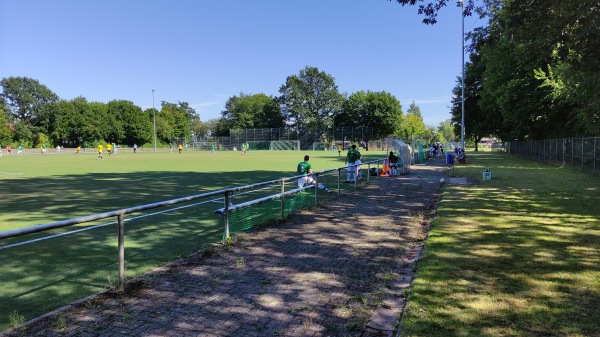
[(203, 52)]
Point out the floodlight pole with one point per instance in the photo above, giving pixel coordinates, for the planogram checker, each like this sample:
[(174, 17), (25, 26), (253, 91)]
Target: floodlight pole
[(154, 118), (462, 119)]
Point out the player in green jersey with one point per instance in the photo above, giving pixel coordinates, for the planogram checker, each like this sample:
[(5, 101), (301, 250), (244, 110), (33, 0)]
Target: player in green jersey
[(305, 169), (353, 161)]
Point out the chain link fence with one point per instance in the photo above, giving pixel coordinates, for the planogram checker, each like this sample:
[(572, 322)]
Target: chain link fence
[(309, 139), (576, 153)]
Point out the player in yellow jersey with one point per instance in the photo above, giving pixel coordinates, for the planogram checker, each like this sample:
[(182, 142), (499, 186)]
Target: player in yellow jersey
[(100, 148)]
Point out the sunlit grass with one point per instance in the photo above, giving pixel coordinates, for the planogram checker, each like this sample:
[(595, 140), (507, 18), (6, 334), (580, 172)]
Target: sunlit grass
[(35, 189), (515, 256)]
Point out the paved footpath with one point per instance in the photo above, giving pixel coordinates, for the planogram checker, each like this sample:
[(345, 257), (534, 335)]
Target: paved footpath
[(337, 270)]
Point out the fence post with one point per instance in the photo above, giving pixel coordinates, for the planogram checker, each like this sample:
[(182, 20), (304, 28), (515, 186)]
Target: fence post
[(226, 216), (595, 144), (121, 225), (582, 153), (282, 199), (368, 172)]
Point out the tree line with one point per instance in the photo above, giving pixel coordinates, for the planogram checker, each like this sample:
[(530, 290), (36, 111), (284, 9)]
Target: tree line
[(532, 70), (33, 115)]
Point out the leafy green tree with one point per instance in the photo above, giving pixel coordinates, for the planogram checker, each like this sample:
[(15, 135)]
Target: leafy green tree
[(137, 127), (413, 126), (7, 129), (199, 128), (253, 111), (174, 120), (446, 132), (24, 96), (310, 99), (379, 110), (431, 8)]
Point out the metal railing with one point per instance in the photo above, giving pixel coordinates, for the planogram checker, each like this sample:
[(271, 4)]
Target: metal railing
[(225, 194), (576, 153)]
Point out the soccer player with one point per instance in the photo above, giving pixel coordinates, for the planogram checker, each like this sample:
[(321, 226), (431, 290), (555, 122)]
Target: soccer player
[(353, 161), (393, 160), (20, 150), (213, 149), (180, 148), (305, 170), (100, 148), (109, 148), (78, 149), (8, 149), (339, 150)]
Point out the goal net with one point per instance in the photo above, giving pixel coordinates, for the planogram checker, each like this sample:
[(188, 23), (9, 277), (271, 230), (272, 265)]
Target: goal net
[(320, 146), (279, 145), (258, 145)]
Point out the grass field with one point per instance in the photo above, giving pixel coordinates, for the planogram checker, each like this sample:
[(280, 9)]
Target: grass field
[(518, 255), (36, 189)]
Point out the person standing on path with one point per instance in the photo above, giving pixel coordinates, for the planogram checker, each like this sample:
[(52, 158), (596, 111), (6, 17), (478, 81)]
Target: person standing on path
[(393, 160), (353, 161), (305, 169)]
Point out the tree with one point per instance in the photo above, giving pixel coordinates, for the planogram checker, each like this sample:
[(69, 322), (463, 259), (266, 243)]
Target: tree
[(7, 130), (253, 111), (24, 96), (431, 9), (174, 120), (137, 127), (379, 110), (446, 132), (413, 126), (310, 99)]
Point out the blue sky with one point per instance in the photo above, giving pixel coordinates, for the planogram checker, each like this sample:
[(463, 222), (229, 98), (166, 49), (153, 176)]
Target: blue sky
[(203, 52)]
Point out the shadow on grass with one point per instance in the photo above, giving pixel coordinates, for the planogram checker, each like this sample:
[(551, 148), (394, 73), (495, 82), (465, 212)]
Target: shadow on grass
[(515, 256)]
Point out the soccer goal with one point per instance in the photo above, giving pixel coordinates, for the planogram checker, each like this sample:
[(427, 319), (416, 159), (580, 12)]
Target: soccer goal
[(320, 146), (279, 145), (258, 145)]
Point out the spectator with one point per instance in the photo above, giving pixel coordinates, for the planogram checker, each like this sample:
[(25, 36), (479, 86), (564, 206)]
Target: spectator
[(305, 169)]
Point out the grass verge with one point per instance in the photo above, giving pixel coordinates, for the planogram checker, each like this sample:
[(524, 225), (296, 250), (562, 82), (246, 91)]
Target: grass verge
[(518, 255)]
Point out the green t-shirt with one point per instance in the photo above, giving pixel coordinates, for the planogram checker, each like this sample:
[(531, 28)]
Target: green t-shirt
[(353, 155), (304, 168)]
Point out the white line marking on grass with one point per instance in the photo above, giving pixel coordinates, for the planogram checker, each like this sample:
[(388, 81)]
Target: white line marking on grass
[(11, 173)]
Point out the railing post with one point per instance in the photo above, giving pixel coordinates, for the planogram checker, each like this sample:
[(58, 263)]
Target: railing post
[(339, 179), (316, 188), (121, 225), (282, 199), (226, 216), (368, 172)]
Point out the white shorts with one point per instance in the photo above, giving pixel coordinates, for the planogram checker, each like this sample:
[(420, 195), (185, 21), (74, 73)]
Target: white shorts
[(305, 180), (357, 164)]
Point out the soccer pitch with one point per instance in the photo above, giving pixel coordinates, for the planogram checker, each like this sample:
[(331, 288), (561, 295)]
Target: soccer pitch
[(39, 189), (59, 269)]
